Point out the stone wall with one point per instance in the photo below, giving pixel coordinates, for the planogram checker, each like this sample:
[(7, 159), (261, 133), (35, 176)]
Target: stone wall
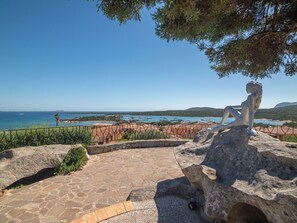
[(92, 150)]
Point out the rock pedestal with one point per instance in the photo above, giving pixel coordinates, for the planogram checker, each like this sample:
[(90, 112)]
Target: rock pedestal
[(243, 179)]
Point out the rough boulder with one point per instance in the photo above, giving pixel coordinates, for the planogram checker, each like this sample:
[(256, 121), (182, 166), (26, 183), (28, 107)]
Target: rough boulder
[(243, 179), (18, 163)]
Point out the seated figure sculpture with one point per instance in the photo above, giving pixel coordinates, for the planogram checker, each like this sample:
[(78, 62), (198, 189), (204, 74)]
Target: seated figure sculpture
[(248, 109)]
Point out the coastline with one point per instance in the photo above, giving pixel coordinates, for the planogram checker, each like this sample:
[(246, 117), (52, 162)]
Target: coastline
[(13, 120), (67, 121)]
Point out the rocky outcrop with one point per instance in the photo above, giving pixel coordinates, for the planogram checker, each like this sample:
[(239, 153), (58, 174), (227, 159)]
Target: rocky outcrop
[(244, 179), (18, 163)]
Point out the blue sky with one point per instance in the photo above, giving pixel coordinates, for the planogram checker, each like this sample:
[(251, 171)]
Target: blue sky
[(63, 54)]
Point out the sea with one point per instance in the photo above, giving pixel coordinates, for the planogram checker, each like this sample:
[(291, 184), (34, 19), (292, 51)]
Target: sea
[(20, 120)]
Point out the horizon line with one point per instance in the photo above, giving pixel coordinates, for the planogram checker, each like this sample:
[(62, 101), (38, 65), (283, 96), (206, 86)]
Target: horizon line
[(84, 111)]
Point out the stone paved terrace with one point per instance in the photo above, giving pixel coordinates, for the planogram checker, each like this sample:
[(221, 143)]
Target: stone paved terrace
[(107, 179)]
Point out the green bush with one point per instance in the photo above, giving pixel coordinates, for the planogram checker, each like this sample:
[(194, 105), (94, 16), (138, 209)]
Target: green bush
[(148, 134), (262, 125), (291, 124), (128, 133), (44, 136), (290, 138), (75, 159)]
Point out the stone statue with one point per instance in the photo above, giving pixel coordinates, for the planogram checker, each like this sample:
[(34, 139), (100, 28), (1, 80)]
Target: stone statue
[(248, 109)]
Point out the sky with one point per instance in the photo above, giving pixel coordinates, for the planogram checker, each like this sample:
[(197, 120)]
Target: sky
[(65, 55)]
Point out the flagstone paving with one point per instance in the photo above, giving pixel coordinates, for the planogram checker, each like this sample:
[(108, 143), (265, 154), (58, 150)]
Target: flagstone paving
[(107, 179)]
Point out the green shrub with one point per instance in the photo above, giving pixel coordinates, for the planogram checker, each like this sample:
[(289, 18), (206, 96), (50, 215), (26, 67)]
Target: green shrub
[(291, 124), (44, 136), (19, 186), (148, 134), (290, 138), (75, 159), (262, 125), (128, 133)]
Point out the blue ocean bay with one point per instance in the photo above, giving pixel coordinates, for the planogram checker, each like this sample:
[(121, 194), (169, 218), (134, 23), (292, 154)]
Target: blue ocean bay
[(18, 120)]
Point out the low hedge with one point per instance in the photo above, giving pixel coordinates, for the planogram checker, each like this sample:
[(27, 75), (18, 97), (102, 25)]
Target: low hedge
[(147, 134), (44, 136)]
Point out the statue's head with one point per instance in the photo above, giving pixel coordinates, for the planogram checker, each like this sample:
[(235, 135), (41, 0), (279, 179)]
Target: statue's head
[(254, 87)]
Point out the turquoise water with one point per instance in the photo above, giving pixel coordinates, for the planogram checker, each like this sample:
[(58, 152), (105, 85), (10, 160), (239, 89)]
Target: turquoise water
[(13, 120), (192, 119)]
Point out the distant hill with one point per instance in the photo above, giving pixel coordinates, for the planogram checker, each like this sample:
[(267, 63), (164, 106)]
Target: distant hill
[(282, 113), (285, 104), (191, 112), (200, 109)]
